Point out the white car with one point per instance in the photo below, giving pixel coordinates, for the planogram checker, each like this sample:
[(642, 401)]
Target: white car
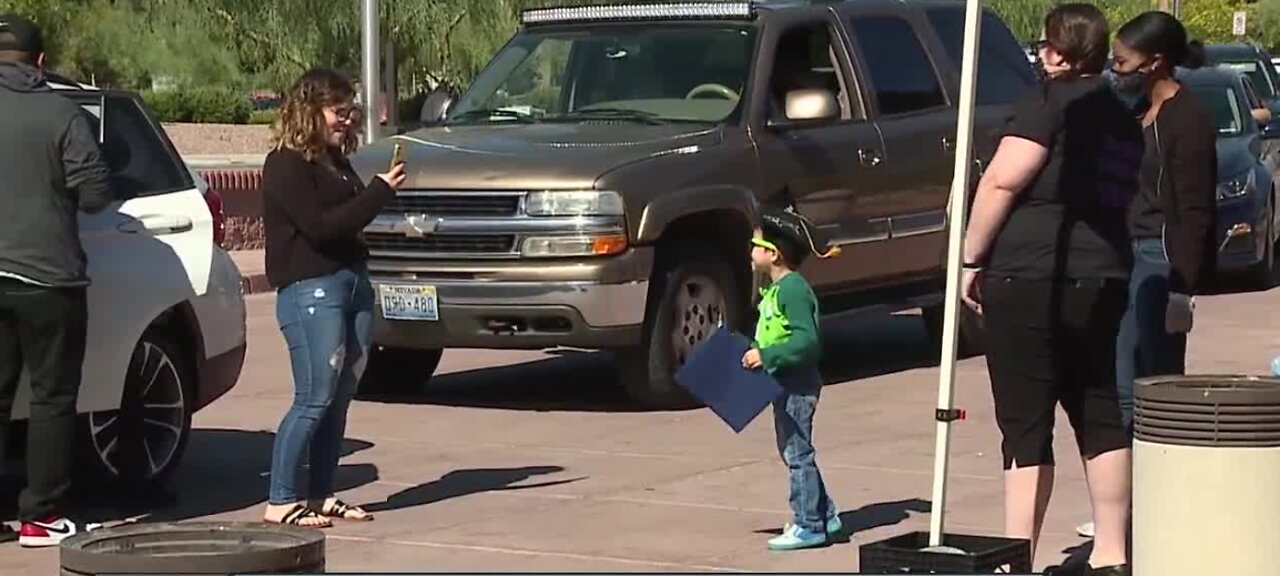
[(166, 308)]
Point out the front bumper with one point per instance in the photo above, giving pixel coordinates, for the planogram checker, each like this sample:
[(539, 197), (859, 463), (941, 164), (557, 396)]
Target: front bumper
[(526, 304)]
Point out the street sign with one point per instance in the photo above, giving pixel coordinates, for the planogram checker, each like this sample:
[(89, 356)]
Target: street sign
[(1238, 23)]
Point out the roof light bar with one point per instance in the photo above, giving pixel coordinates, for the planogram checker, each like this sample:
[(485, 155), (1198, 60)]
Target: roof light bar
[(683, 10)]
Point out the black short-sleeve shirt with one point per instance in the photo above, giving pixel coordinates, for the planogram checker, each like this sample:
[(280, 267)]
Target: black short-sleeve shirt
[(1070, 223)]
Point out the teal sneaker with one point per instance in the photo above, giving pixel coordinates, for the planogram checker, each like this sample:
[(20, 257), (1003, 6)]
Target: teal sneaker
[(796, 538), (834, 525)]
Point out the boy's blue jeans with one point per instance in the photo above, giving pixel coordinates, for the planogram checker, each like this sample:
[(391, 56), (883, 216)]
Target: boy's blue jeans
[(1144, 348), (793, 421), (326, 322)]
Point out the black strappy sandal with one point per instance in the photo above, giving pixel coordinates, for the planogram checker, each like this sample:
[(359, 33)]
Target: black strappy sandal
[(300, 513), (341, 510)]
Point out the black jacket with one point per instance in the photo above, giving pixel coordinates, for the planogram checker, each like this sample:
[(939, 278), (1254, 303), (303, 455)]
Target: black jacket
[(1188, 190), (50, 168), (314, 215)]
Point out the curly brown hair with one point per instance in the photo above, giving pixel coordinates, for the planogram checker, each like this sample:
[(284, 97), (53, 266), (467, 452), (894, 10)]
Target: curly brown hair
[(300, 125)]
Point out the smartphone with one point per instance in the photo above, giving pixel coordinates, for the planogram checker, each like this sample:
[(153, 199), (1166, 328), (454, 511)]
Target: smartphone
[(397, 156)]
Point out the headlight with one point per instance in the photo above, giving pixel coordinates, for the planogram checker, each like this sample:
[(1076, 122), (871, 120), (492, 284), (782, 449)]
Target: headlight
[(573, 203), (1236, 187), (568, 246)]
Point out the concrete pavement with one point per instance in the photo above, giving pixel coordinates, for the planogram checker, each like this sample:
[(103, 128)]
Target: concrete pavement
[(520, 461)]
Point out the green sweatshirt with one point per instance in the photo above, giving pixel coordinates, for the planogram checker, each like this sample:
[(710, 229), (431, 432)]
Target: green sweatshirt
[(787, 331)]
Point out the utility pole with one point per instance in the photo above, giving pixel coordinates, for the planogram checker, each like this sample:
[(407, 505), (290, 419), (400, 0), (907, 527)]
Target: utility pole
[(371, 64)]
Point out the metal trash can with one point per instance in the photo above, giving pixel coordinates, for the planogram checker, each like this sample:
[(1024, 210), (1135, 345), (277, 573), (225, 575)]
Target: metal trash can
[(195, 548), (1206, 476)]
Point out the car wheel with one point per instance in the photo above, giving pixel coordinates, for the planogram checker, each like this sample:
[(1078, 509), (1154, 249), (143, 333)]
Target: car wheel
[(398, 371), (140, 444), (970, 343), (692, 295)]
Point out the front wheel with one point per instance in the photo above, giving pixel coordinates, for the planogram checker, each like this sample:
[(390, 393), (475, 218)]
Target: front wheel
[(694, 293), (398, 371), (139, 445)]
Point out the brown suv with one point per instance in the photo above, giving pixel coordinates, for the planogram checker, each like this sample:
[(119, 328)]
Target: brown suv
[(597, 184)]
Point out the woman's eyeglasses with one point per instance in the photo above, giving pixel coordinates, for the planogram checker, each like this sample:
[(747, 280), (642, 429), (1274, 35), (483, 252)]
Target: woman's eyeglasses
[(346, 113)]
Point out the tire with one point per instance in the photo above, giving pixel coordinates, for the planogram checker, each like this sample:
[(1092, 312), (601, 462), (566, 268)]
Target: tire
[(970, 342), (692, 291), (139, 445), (398, 371)]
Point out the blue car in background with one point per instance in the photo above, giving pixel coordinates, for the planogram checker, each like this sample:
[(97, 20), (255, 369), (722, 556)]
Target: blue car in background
[(1248, 162)]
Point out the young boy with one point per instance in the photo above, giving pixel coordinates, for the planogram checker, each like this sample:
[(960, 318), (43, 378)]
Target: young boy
[(788, 346)]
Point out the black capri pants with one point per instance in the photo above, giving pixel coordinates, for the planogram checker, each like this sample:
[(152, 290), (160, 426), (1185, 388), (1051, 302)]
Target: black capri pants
[(1051, 343)]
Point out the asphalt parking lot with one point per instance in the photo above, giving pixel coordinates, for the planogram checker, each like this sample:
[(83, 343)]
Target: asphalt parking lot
[(529, 462)]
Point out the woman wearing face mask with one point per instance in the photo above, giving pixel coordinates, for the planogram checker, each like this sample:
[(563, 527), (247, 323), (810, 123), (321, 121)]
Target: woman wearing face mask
[(314, 208), (1173, 219), (1045, 265)]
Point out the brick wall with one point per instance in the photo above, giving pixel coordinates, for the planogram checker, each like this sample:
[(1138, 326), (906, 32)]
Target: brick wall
[(242, 203)]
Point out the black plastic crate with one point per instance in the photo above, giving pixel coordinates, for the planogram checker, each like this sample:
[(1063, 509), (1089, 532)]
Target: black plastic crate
[(983, 555)]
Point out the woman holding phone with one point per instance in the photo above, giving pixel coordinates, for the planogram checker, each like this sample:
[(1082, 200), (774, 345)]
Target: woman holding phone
[(314, 208)]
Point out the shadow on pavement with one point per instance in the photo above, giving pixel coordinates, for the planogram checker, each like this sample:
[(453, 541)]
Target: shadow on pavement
[(465, 483), (222, 471), (856, 347), (871, 516), (1076, 562)]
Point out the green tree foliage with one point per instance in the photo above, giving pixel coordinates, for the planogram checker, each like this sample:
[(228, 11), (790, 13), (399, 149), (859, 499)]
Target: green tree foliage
[(265, 44)]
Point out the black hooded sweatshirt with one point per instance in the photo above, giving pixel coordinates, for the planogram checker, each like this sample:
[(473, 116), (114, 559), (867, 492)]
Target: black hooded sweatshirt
[(50, 168)]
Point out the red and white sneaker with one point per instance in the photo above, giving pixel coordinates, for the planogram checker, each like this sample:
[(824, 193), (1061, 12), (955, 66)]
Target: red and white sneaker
[(48, 532)]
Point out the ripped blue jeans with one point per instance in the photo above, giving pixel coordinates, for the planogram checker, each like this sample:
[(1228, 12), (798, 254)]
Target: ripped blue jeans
[(326, 322)]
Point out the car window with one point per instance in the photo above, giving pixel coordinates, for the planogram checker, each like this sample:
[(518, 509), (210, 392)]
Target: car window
[(140, 161), (1223, 107), (805, 59), (666, 73), (902, 76), (1004, 71), (1255, 71)]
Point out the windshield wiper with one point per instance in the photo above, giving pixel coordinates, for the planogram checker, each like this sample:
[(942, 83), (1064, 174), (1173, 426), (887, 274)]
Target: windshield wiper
[(616, 113), (488, 113)]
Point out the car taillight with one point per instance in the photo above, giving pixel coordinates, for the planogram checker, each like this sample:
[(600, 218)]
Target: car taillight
[(214, 200)]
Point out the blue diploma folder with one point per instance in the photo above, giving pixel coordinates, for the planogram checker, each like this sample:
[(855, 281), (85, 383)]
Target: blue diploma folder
[(714, 374)]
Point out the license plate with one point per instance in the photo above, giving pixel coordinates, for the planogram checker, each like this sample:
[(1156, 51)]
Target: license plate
[(409, 302)]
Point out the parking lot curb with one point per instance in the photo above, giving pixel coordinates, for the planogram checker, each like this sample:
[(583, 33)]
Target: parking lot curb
[(255, 284)]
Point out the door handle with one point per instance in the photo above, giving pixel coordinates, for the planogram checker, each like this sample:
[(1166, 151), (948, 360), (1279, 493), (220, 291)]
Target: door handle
[(870, 157), (157, 225), (948, 145)]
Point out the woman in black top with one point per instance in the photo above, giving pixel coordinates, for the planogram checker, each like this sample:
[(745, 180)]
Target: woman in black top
[(1045, 266), (1173, 218), (314, 208)]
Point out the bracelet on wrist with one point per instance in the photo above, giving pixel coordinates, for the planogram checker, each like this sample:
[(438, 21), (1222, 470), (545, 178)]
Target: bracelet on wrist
[(972, 266)]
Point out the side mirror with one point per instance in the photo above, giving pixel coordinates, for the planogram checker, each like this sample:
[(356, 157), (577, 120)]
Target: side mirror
[(811, 104), (436, 106)]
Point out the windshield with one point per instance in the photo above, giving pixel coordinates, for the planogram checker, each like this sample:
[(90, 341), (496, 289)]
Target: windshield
[(1261, 81), (639, 73), (1224, 107)]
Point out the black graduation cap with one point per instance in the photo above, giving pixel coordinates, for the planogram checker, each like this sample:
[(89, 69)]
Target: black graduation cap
[(788, 223)]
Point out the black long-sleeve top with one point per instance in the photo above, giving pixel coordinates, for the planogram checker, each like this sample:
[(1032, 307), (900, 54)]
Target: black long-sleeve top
[(313, 216), (1178, 190)]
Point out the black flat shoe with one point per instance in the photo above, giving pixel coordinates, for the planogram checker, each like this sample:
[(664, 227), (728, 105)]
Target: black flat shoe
[(1121, 570)]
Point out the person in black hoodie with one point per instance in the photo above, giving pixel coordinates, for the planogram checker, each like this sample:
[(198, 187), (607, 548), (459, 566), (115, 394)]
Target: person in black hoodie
[(314, 210), (1173, 219), (52, 169)]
